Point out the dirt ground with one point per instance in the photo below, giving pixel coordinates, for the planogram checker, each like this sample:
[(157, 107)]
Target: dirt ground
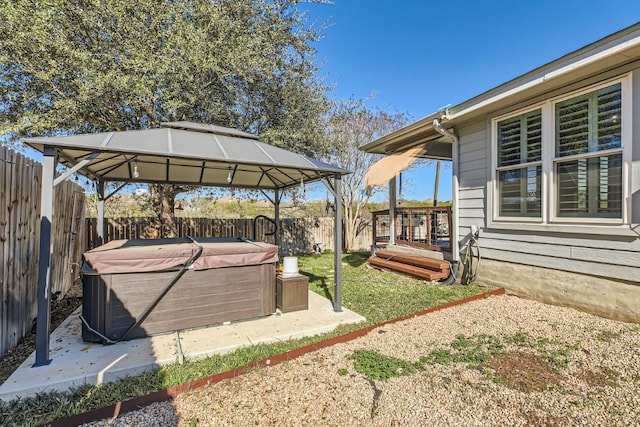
[(61, 308)]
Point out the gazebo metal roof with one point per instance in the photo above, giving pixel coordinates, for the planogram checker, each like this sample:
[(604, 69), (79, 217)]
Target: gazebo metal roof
[(186, 153), (177, 153)]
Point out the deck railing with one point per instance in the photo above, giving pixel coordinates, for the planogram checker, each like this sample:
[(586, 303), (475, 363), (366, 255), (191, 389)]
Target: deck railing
[(423, 227)]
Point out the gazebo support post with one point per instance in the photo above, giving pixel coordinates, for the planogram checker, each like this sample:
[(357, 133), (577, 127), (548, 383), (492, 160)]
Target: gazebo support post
[(44, 263), (337, 187)]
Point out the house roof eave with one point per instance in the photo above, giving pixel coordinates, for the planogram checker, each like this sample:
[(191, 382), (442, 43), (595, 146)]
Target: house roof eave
[(611, 51)]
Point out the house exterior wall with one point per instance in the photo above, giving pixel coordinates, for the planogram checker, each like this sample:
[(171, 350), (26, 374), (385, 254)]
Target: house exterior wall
[(598, 295), (473, 176), (635, 177), (615, 256)]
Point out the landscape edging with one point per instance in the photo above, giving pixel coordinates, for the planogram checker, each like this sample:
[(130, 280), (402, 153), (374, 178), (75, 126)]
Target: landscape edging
[(137, 403)]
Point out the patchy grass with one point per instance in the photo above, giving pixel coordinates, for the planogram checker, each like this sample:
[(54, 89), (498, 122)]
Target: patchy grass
[(545, 420), (474, 351), (377, 295), (524, 371), (516, 361), (605, 377), (607, 336), (378, 367), (527, 368)]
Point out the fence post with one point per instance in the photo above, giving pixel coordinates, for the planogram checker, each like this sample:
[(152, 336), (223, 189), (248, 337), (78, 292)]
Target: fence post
[(100, 211)]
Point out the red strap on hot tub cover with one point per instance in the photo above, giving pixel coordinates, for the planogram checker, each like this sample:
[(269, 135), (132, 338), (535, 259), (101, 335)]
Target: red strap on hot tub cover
[(120, 256)]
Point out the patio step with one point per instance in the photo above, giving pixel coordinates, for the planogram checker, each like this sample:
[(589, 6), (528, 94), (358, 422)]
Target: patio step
[(418, 261), (425, 268)]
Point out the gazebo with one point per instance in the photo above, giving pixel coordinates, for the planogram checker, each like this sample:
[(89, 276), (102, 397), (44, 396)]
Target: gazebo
[(177, 153)]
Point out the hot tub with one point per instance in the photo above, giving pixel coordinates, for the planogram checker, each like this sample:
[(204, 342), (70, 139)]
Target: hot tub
[(232, 279)]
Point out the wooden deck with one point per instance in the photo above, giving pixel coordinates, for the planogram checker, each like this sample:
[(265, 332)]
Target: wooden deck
[(426, 227)]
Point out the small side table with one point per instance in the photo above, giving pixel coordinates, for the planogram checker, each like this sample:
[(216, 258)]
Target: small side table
[(292, 293)]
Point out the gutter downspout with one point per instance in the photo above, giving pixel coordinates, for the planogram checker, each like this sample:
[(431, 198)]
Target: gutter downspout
[(454, 187)]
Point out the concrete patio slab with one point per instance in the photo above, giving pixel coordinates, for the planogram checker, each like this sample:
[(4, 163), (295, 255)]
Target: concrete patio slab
[(74, 362)]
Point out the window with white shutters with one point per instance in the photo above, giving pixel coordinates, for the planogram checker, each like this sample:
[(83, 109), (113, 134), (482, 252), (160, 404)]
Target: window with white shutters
[(588, 155), (565, 161), (520, 165)]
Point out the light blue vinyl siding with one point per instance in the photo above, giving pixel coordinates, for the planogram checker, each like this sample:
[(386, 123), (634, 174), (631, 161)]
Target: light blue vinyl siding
[(613, 257), (473, 177)]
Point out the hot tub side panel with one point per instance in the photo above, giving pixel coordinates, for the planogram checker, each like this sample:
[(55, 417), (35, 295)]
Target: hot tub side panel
[(199, 298), (94, 303)]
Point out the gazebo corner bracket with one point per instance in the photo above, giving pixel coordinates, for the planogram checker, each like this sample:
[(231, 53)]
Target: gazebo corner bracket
[(75, 168)]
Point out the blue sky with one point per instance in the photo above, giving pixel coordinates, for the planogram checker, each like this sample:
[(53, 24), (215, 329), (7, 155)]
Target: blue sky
[(416, 56)]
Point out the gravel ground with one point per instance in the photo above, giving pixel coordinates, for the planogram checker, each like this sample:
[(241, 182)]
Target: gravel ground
[(498, 361)]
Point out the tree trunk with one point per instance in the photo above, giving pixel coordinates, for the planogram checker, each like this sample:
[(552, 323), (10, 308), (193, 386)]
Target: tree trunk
[(353, 222), (350, 235), (163, 197), (349, 229)]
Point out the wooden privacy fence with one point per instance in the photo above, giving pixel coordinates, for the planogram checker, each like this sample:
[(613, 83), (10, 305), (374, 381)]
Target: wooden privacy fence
[(299, 235), (20, 179)]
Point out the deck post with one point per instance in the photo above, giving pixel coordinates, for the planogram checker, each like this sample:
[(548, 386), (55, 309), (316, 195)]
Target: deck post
[(436, 184), (392, 211), (337, 260), (44, 262)]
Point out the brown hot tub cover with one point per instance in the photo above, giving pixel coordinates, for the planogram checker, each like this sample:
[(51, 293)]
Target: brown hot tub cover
[(145, 255)]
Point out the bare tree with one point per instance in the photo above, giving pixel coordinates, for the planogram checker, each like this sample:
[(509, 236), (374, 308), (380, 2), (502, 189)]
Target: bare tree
[(352, 124)]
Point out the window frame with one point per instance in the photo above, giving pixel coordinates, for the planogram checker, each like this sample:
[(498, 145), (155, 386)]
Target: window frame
[(525, 165), (549, 220), (625, 150)]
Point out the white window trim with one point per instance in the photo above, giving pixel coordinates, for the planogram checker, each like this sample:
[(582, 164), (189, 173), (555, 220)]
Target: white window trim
[(494, 217), (627, 119), (548, 221)]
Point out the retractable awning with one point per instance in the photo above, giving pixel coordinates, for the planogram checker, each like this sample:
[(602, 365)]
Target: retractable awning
[(388, 167)]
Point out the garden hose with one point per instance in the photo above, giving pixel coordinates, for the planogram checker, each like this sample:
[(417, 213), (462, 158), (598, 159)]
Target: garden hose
[(470, 258), (453, 268)]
